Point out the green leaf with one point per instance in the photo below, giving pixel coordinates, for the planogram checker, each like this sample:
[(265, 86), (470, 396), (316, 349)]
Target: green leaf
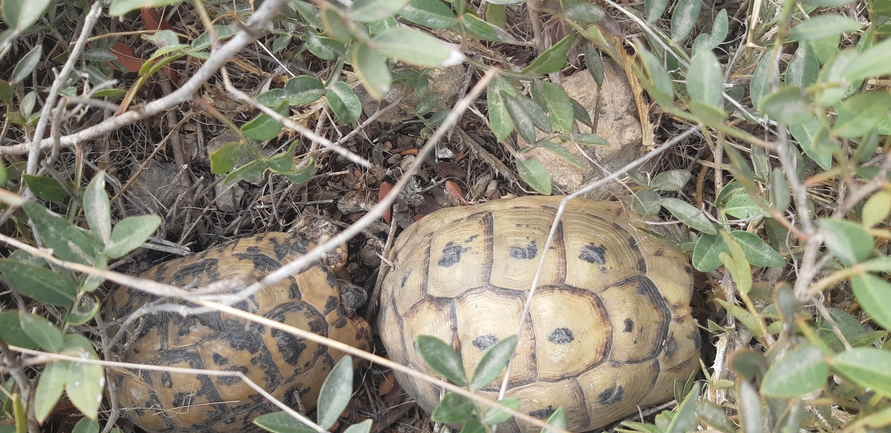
[(520, 117), (534, 173), (823, 26), (362, 427), (86, 310), (272, 97), (672, 180), (866, 366), (492, 362), (473, 426), (846, 240), (587, 139), (11, 331), (861, 113), (325, 49), (659, 84), (873, 296), (804, 67), (264, 127), (876, 208), (344, 102), (760, 84), (49, 388), (42, 332), (121, 7), (336, 392), (499, 118), (779, 191), (131, 233), (442, 358), (788, 106), (205, 40), (689, 215), (557, 419), (749, 402), (536, 113), (39, 283), (584, 12), (224, 159), (479, 28), (371, 67), (28, 62), (282, 422), (872, 62), (304, 89), (45, 188), (555, 102), (415, 48), (742, 206), (563, 152), (740, 268), (655, 9), (432, 14), (453, 408), (685, 415), (647, 202), (758, 252), (808, 136), (19, 15), (368, 11), (683, 19), (714, 416), (799, 372), (84, 381), (302, 174), (250, 171), (86, 425), (97, 208), (335, 24), (551, 60), (497, 416)]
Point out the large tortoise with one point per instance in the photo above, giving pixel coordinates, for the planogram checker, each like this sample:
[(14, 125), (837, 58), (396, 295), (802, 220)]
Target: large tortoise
[(610, 327), (289, 368)]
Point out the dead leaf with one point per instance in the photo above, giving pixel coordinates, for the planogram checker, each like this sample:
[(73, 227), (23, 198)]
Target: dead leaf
[(385, 189)]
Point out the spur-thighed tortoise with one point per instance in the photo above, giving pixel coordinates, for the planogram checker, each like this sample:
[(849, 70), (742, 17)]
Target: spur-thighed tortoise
[(610, 328), (289, 368)]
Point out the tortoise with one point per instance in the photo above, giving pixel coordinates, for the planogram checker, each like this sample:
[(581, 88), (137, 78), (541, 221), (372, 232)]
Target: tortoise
[(610, 327), (288, 367)]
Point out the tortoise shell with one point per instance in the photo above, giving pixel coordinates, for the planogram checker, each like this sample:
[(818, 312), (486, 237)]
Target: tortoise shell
[(610, 326), (288, 367)]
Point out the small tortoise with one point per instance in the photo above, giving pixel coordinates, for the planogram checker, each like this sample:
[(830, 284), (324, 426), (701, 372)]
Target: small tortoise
[(609, 330), (288, 367)]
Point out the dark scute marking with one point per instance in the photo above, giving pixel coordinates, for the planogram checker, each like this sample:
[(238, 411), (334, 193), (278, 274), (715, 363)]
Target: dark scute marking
[(594, 254), (483, 342), (471, 238), (697, 339), (290, 346), (220, 359), (526, 252), (688, 270), (642, 265), (610, 396), (294, 245), (451, 255), (330, 278), (543, 413), (632, 243), (232, 380), (166, 380), (241, 340), (670, 346), (294, 291), (331, 304), (629, 325), (404, 280), (262, 262), (207, 268), (561, 336)]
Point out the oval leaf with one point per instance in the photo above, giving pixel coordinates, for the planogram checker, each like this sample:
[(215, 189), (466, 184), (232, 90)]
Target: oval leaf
[(442, 358), (874, 296), (866, 366), (131, 233), (689, 215), (415, 48), (847, 241), (336, 392), (492, 362), (39, 283), (534, 173), (799, 372)]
